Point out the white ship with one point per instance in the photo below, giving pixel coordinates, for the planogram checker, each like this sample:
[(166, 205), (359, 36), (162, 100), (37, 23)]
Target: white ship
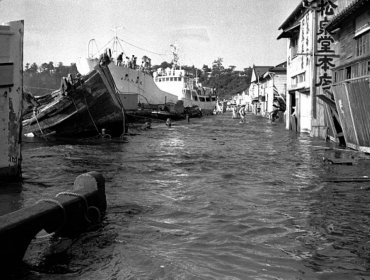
[(186, 87), (137, 85), (134, 83)]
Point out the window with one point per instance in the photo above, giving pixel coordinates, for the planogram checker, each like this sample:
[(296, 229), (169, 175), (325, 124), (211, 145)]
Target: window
[(362, 44), (294, 81), (171, 79), (348, 72), (355, 70), (362, 68), (301, 77), (294, 45)]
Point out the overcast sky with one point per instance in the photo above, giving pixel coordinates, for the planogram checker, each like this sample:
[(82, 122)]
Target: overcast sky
[(242, 32)]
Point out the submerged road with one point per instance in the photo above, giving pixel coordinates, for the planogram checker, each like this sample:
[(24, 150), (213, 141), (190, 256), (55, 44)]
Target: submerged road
[(212, 199)]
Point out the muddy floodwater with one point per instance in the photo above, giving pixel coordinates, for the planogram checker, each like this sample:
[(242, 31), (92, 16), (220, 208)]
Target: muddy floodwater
[(209, 199)]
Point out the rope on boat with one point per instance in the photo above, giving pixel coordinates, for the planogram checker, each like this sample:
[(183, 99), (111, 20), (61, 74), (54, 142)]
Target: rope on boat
[(38, 124), (74, 103), (64, 216), (88, 110), (87, 207)]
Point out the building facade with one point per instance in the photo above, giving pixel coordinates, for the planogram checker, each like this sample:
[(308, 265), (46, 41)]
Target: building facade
[(310, 58), (351, 88), (256, 91)]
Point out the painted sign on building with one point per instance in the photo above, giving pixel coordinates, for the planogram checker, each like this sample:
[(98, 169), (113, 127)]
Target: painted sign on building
[(325, 49)]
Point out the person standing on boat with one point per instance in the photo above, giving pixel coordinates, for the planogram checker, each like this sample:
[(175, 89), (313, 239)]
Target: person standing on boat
[(134, 62), (119, 59)]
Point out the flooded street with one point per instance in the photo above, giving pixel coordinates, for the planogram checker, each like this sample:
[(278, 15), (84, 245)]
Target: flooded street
[(212, 199)]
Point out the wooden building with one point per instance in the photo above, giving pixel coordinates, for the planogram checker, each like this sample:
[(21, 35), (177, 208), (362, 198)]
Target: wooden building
[(351, 89), (11, 96)]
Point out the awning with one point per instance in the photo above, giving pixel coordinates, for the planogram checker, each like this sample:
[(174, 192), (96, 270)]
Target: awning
[(290, 32)]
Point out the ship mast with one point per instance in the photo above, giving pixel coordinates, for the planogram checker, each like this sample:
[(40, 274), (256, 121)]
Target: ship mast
[(175, 53), (115, 40)]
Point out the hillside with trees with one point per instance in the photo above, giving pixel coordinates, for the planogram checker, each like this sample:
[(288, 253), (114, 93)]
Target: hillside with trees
[(226, 81), (45, 78)]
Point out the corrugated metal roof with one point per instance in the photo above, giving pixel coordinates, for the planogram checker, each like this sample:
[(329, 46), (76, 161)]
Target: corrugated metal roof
[(347, 12)]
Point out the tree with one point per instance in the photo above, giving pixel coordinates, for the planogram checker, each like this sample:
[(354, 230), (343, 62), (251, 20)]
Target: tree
[(206, 69), (50, 66), (232, 68), (217, 66), (44, 67), (33, 68)]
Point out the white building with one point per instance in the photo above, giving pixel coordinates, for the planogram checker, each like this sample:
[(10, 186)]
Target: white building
[(309, 63)]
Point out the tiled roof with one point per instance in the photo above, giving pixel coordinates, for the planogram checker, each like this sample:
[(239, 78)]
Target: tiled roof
[(353, 8)]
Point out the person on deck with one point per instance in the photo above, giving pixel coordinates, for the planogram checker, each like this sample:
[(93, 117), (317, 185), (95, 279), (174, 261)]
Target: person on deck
[(134, 62), (119, 59)]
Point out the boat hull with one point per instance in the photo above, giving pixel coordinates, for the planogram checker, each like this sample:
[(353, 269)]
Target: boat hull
[(83, 111), (135, 82)]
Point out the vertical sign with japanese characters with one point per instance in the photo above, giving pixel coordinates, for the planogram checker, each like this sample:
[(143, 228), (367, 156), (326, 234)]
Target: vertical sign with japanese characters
[(325, 50)]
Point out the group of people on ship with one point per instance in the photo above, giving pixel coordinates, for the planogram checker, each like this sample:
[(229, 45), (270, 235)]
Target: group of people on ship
[(125, 61), (132, 62)]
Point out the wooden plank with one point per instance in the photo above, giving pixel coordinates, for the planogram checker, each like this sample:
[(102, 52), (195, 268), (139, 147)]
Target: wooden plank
[(342, 161), (359, 96), (348, 179), (351, 115)]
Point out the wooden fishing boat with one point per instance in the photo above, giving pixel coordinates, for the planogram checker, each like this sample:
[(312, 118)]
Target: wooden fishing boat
[(82, 107)]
